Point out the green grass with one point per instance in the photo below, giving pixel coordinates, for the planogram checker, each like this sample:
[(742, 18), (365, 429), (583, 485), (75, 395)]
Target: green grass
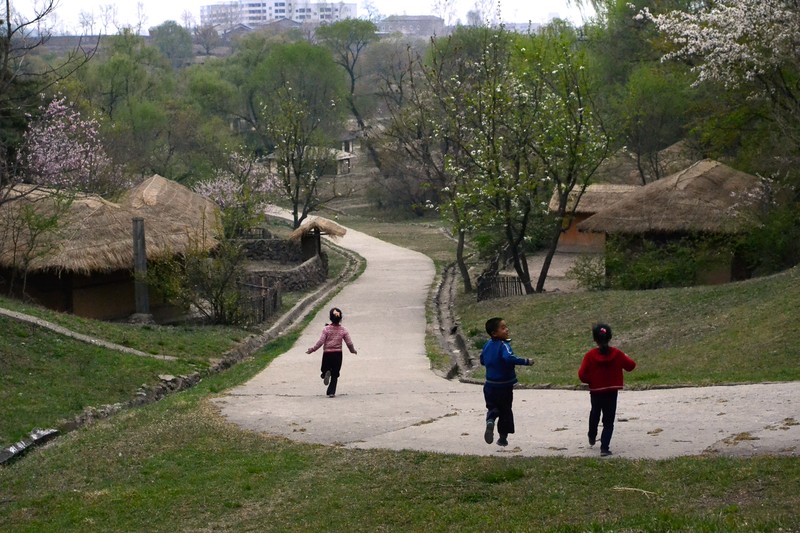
[(734, 333), (177, 466), (45, 377), (427, 236), (195, 343)]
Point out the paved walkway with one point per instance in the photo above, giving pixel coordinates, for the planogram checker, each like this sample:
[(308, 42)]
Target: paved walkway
[(389, 398)]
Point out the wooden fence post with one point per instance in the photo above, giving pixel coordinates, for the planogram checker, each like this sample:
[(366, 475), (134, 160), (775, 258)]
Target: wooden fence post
[(140, 268)]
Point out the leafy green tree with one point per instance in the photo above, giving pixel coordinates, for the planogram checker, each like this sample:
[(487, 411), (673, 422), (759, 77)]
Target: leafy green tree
[(419, 138), (571, 141), (653, 113), (299, 115), (174, 41), (347, 39), (489, 116)]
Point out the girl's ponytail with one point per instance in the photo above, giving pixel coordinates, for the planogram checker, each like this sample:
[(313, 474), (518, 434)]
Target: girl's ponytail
[(601, 333)]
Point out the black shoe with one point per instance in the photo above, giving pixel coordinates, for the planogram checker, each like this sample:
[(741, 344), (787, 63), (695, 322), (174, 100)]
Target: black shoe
[(502, 441), (605, 453), (488, 435), (592, 440), (326, 378)]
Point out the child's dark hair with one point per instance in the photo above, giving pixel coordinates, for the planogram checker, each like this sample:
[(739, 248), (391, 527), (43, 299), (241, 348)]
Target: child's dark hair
[(335, 315), (601, 333), (492, 324)]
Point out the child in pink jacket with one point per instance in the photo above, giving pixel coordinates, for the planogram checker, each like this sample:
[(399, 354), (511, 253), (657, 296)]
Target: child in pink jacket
[(332, 336)]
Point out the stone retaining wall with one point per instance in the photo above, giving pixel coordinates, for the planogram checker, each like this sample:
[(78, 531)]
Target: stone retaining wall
[(307, 275), (273, 250)]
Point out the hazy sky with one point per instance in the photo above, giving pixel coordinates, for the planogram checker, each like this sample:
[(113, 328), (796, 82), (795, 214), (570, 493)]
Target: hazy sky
[(157, 11)]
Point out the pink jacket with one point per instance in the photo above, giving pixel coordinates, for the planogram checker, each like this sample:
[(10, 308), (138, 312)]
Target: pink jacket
[(332, 337)]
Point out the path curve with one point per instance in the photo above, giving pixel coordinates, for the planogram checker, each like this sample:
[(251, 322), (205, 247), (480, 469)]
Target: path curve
[(389, 398)]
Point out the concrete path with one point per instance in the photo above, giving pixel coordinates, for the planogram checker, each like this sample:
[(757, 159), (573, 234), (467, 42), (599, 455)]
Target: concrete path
[(389, 398)]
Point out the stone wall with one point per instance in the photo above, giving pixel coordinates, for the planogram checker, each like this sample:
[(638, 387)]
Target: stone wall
[(307, 275), (273, 250)]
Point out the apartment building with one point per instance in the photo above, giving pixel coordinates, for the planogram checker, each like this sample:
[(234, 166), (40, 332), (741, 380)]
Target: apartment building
[(254, 13)]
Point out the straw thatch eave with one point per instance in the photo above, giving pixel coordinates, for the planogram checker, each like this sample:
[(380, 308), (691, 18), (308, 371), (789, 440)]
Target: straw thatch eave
[(595, 197), (707, 197), (323, 225), (95, 235)]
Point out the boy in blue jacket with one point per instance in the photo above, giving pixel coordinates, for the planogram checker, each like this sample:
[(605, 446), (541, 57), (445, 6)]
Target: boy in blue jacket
[(498, 390)]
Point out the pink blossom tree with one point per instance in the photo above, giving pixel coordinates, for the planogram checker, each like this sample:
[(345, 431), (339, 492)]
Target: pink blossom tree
[(63, 150), (242, 190)]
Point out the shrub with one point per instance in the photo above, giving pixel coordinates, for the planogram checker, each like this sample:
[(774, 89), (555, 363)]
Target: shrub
[(589, 271)]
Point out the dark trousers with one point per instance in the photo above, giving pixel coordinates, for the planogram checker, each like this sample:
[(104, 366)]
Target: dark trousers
[(498, 405), (604, 404), (331, 361)]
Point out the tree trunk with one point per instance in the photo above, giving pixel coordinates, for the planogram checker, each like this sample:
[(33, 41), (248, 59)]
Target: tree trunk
[(520, 262), (373, 153), (462, 265), (551, 251)]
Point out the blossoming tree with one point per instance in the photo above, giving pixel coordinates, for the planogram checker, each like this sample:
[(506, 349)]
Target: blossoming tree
[(750, 43), (63, 150)]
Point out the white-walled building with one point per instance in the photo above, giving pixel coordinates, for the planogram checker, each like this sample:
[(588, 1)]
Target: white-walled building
[(255, 13)]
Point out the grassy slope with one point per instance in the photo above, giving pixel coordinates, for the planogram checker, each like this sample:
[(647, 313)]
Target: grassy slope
[(176, 466), (741, 332)]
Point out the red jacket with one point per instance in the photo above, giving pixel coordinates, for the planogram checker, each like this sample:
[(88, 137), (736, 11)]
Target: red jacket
[(604, 372)]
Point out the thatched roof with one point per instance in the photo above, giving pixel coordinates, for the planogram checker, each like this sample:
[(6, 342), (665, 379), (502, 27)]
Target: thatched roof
[(95, 235), (596, 197), (621, 167), (706, 197), (325, 227)]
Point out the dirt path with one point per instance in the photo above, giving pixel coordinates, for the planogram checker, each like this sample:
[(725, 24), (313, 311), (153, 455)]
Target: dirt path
[(389, 398)]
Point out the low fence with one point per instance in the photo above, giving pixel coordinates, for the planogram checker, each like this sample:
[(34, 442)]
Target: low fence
[(499, 286), (259, 301)]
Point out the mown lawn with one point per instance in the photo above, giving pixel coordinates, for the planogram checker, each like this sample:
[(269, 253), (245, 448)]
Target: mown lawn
[(177, 466), (735, 333)]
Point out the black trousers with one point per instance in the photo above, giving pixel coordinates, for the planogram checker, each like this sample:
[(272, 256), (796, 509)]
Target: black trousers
[(604, 404), (331, 361), (498, 406)]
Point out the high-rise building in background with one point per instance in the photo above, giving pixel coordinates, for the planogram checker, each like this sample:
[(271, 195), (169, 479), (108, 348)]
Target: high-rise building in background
[(259, 13)]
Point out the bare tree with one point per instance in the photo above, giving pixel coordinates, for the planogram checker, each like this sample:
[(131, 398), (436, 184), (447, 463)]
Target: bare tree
[(108, 16), (446, 9)]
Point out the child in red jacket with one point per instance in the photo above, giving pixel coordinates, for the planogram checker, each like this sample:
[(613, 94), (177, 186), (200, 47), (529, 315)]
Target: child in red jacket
[(602, 370)]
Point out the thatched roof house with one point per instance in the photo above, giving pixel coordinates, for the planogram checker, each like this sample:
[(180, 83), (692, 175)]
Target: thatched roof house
[(707, 197), (176, 217), (95, 235), (595, 197), (85, 264)]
